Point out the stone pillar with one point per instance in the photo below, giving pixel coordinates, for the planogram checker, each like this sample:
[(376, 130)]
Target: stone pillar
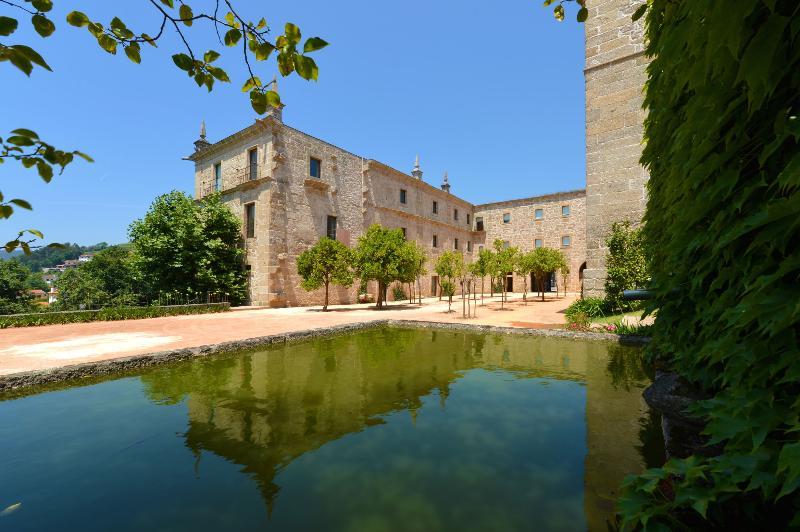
[(615, 76)]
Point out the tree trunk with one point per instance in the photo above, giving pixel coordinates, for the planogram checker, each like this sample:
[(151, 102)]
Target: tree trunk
[(463, 303), (325, 306), (379, 302), (482, 291), (541, 284)]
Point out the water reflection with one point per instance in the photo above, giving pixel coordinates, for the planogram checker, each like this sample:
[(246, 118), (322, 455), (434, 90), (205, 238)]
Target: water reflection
[(270, 409)]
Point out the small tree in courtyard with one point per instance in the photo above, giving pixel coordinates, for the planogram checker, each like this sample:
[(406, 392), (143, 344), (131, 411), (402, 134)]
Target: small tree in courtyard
[(626, 262), (413, 266), (325, 263), (503, 264), (380, 256), (483, 267), (447, 269), (523, 267)]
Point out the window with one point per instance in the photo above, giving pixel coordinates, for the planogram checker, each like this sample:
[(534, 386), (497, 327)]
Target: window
[(478, 223), (506, 217), (468, 219), (506, 244), (252, 160), (315, 168), (469, 246), (402, 195), (331, 230), (537, 243), (480, 248), (250, 220), (565, 210), (435, 242), (538, 214), (455, 243), (455, 214), (218, 177), (566, 241), (405, 234), (435, 207)]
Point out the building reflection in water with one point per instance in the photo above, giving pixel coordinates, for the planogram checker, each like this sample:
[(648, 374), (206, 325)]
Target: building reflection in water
[(265, 409)]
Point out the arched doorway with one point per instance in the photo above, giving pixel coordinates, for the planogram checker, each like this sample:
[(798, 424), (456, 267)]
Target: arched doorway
[(580, 276)]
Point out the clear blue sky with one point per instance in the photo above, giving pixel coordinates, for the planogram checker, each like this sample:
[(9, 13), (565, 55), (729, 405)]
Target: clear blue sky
[(492, 95)]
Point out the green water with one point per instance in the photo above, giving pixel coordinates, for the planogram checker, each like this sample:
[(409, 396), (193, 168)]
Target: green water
[(381, 430)]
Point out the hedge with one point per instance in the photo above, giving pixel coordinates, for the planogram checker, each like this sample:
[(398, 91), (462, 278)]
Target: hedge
[(722, 146), (107, 314)]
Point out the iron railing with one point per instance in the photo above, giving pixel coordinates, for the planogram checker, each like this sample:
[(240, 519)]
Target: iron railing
[(233, 179)]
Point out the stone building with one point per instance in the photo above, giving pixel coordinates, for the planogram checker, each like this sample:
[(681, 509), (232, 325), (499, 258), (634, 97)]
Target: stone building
[(615, 75), (291, 188)]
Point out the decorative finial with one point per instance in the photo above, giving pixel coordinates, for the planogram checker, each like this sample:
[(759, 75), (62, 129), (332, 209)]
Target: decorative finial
[(203, 130), (445, 177), (274, 87), (446, 183), (417, 171)]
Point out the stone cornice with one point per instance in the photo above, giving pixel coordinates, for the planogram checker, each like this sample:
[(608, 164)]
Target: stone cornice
[(555, 196), (434, 221), (414, 182)]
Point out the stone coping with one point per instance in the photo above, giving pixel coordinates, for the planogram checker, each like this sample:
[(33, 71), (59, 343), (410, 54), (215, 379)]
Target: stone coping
[(90, 372)]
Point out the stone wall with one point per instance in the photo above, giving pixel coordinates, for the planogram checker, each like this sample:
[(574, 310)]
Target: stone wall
[(615, 76), (523, 228)]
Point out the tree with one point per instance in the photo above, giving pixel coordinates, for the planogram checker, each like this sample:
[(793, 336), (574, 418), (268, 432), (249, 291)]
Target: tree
[(413, 260), (325, 263), (523, 267), (447, 268), (114, 269), (13, 279), (78, 290), (504, 260), (381, 256), (483, 267), (626, 262), (25, 145), (545, 261), (189, 248)]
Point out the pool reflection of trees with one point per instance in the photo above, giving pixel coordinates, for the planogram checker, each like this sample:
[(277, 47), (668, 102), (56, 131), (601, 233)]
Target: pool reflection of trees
[(264, 409)]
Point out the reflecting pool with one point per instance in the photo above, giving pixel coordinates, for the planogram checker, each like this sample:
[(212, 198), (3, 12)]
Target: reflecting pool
[(386, 429)]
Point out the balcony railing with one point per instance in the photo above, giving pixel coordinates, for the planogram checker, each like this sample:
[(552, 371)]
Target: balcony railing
[(232, 179)]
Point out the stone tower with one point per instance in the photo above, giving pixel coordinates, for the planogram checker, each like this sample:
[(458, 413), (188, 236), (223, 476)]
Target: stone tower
[(615, 76)]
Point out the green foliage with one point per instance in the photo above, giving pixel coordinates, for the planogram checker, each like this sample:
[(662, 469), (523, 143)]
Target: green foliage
[(398, 293), (14, 278), (384, 255), (48, 257), (560, 14), (190, 248), (25, 146), (79, 290), (326, 262), (544, 261), (591, 307), (626, 263), (723, 226), (109, 278), (449, 266), (107, 314)]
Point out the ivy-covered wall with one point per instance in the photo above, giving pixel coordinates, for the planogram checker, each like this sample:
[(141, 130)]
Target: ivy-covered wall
[(723, 225)]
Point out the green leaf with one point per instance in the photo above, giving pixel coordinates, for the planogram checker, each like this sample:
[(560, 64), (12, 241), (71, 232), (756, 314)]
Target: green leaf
[(133, 53), (313, 44), (43, 25), (19, 140), (31, 55), (254, 82), (292, 33), (183, 61), (548, 2), (583, 14), (22, 203), (77, 19), (168, 3), (558, 12), (107, 43), (39, 234), (285, 64), (83, 156), (306, 67), (232, 37), (258, 101), (25, 132), (263, 50), (42, 5), (219, 74), (640, 11), (186, 14), (8, 26), (261, 24), (273, 98), (210, 56), (45, 170)]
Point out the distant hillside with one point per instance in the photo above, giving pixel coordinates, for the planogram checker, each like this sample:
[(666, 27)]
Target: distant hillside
[(49, 257)]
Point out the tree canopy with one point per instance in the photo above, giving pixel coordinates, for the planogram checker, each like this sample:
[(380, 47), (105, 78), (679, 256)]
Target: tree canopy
[(189, 248), (328, 261), (382, 255)]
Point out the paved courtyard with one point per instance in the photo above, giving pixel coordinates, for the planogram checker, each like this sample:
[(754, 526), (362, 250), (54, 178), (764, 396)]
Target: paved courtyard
[(35, 348)]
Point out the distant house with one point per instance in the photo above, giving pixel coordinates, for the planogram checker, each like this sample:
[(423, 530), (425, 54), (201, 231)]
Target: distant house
[(52, 295), (50, 278), (37, 294), (85, 257)]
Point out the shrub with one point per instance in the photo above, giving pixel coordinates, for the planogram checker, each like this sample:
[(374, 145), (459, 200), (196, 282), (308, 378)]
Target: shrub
[(107, 314), (398, 293), (626, 263), (590, 307)]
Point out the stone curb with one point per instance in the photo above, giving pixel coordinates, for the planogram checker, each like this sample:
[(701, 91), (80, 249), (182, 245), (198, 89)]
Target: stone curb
[(86, 370)]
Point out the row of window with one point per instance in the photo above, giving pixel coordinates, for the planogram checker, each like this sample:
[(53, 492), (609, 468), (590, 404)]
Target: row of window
[(434, 206), (250, 230), (538, 214)]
